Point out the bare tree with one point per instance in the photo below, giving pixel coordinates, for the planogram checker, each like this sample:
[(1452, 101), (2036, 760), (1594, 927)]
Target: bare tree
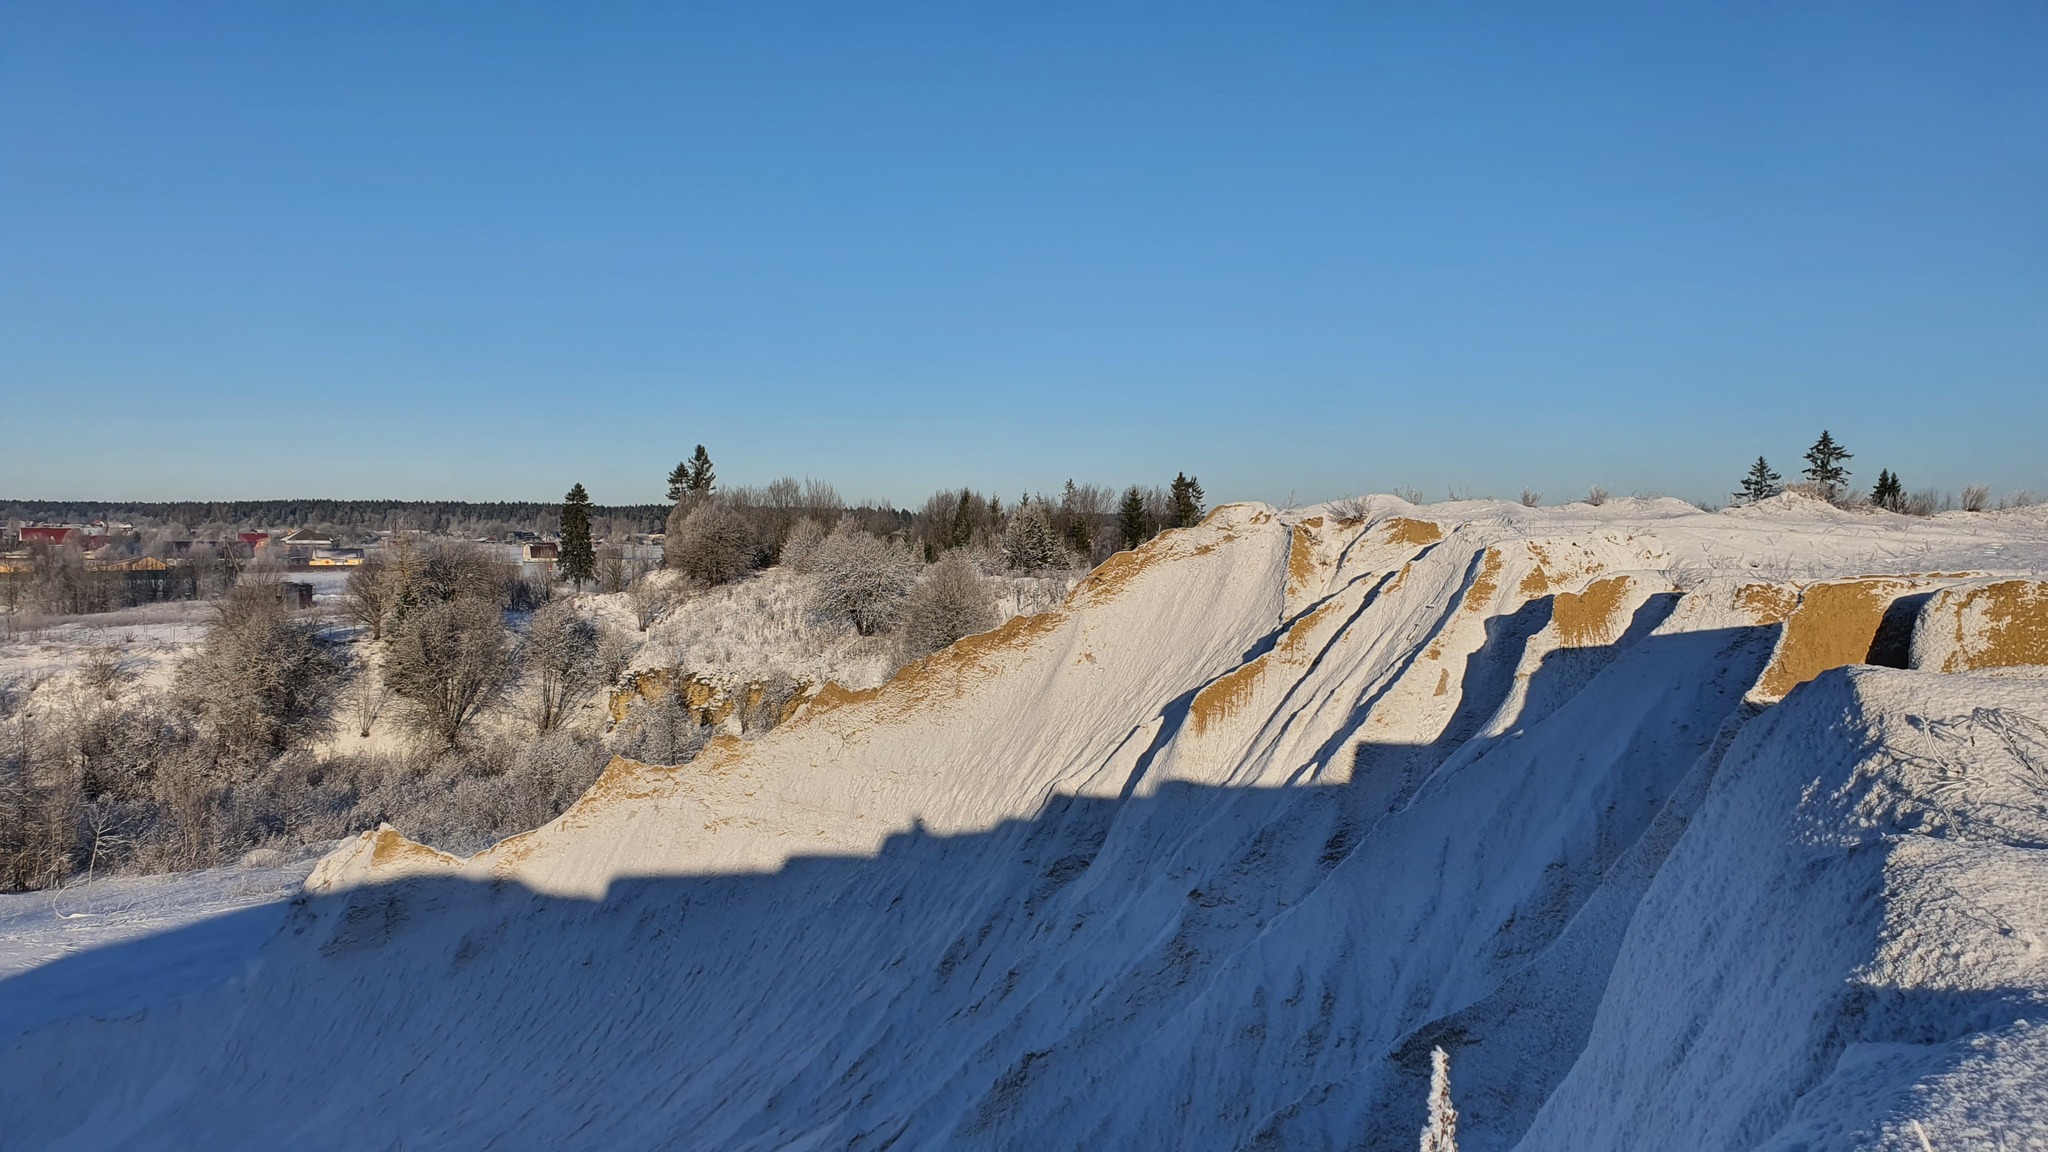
[(950, 602), (615, 650), (370, 594), (648, 599), (365, 697), (449, 660), (560, 655), (614, 571)]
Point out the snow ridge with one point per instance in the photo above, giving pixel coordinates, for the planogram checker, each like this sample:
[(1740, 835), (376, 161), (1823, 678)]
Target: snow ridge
[(1214, 856)]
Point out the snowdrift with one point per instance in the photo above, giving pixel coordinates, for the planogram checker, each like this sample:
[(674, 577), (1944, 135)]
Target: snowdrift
[(1701, 831)]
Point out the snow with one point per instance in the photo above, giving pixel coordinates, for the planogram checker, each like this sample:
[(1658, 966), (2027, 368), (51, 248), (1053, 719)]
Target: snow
[(1214, 855), (85, 920)]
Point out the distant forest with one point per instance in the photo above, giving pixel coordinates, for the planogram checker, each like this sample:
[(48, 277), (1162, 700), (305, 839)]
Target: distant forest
[(442, 517)]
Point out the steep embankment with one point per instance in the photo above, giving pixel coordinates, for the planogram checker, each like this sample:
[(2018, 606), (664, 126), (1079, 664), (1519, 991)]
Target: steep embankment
[(1211, 857)]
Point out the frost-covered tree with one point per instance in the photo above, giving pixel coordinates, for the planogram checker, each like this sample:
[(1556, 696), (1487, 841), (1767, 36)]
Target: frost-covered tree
[(368, 596), (951, 601), (709, 542), (1824, 465), (1441, 1133), (579, 559), (862, 580), (448, 662), (1760, 484), (802, 545), (261, 680), (1029, 542), (1186, 495)]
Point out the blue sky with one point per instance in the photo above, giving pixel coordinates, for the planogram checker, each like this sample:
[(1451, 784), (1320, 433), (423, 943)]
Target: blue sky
[(485, 250)]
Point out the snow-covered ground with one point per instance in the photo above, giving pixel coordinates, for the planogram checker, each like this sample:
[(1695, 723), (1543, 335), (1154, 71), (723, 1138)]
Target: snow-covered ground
[(82, 922), (1606, 802)]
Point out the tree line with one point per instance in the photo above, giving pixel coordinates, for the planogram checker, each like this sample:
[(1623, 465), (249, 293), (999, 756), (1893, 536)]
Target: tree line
[(1826, 476), (435, 517)]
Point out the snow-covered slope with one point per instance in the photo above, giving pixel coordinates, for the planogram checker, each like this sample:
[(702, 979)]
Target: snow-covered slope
[(1602, 801)]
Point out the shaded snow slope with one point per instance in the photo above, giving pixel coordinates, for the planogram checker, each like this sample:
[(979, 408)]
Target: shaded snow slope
[(1602, 801)]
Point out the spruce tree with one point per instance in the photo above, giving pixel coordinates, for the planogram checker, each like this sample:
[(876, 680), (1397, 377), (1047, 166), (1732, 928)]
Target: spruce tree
[(1889, 494), (1760, 484), (1824, 465), (678, 481), (1130, 517), (1187, 500), (578, 559), (1079, 538), (700, 478), (962, 533)]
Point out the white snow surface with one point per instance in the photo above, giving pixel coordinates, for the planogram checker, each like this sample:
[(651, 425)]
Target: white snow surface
[(1211, 857)]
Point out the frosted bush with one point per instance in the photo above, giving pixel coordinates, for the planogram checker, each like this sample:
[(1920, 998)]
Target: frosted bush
[(950, 602), (861, 580), (709, 542), (802, 544)]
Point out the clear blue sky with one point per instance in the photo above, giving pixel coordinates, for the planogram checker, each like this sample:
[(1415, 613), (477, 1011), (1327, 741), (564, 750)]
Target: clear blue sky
[(483, 250)]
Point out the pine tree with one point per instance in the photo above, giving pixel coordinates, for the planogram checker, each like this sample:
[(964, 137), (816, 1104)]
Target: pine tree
[(1889, 494), (700, 478), (1824, 465), (1441, 1134), (579, 560), (963, 522), (1760, 484), (679, 481), (1187, 500), (1130, 517)]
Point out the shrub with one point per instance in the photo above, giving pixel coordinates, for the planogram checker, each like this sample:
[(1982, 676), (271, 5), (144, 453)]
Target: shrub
[(950, 602), (260, 680), (861, 580), (1350, 509), (1531, 499), (659, 731), (1976, 498), (802, 544)]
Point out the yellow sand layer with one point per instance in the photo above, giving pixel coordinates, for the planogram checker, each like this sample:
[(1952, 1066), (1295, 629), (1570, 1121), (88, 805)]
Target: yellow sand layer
[(1833, 626)]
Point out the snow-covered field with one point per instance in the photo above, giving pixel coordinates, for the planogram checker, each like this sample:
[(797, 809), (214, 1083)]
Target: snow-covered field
[(1606, 802)]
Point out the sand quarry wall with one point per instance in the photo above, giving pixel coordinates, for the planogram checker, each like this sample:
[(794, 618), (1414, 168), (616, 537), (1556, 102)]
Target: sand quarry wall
[(1160, 869)]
